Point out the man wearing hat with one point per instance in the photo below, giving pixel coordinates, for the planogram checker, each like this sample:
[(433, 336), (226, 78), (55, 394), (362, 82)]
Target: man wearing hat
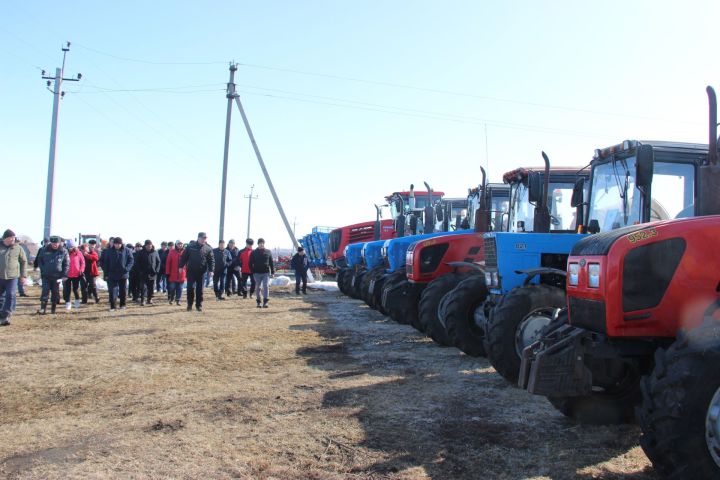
[(116, 265), (12, 268), (197, 259), (300, 263), (148, 266)]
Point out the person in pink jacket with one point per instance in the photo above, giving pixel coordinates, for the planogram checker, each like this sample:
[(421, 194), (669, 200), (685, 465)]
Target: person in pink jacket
[(75, 273), (175, 277)]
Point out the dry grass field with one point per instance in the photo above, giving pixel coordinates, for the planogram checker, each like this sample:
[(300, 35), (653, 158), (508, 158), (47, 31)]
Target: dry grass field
[(315, 387)]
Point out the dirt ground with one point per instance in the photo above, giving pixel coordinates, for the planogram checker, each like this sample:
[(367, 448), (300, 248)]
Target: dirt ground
[(315, 387)]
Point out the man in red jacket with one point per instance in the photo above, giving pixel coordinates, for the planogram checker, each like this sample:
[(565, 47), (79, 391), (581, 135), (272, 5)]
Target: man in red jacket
[(244, 256), (87, 282)]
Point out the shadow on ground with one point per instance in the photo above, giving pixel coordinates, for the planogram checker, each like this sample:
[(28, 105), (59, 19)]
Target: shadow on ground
[(452, 415)]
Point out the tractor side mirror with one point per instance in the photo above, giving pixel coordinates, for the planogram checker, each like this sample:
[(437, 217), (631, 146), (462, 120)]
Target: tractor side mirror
[(578, 193), (644, 166), (534, 188)]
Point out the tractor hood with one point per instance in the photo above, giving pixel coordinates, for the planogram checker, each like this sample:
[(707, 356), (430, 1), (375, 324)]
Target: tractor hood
[(397, 247), (600, 243)]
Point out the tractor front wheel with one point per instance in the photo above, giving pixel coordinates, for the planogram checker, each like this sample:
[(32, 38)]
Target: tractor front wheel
[(462, 305), (428, 307), (516, 322), (680, 411), (374, 274)]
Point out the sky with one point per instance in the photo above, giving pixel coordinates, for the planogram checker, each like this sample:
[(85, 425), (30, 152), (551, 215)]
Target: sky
[(348, 102)]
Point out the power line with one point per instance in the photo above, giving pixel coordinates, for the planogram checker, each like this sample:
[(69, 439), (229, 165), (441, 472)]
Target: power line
[(147, 62), (394, 85), (439, 116)]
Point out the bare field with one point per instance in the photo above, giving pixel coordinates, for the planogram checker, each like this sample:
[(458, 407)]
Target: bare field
[(315, 387)]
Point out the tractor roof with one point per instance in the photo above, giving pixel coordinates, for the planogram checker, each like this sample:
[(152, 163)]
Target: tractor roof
[(520, 174)]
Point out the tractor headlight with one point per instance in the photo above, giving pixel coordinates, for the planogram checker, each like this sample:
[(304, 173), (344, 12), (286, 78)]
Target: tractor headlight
[(594, 275), (488, 279), (495, 279), (383, 252), (409, 257), (573, 270), (362, 253)]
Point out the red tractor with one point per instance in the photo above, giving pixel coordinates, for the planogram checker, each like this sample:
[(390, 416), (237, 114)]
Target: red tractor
[(641, 334)]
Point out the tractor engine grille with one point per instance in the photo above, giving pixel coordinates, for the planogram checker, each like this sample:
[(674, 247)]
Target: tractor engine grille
[(490, 252)]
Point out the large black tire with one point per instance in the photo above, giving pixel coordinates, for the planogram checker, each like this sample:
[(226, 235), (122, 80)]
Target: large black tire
[(347, 282), (391, 283), (679, 436), (340, 279), (516, 321), (406, 316), (355, 281), (373, 274), (428, 307), (380, 286), (460, 306)]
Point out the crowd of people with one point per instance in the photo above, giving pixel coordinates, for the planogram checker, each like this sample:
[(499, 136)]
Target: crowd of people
[(140, 271)]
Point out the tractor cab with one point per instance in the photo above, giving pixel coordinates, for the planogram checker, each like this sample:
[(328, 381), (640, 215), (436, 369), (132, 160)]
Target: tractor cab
[(413, 212), (526, 186), (636, 182)]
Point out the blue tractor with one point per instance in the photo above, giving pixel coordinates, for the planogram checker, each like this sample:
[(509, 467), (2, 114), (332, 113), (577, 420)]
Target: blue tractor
[(412, 213), (399, 296), (546, 209)]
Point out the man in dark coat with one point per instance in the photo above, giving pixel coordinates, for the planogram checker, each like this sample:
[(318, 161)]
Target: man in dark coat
[(134, 284), (54, 264), (223, 259), (161, 277), (232, 276), (197, 258), (261, 265), (300, 263), (116, 265), (148, 267)]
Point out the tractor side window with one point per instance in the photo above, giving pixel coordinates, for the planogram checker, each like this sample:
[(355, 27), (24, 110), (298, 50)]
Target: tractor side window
[(673, 191)]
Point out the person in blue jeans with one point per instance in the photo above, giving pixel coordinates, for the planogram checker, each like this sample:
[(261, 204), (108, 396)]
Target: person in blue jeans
[(300, 263)]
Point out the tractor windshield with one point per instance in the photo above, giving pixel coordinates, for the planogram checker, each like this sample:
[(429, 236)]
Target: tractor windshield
[(522, 212), (616, 202)]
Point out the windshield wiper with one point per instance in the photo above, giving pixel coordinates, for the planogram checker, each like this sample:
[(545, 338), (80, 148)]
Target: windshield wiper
[(623, 189)]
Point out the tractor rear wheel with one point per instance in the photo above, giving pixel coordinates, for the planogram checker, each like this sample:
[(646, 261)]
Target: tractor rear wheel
[(516, 322), (680, 411), (428, 307), (373, 274), (464, 315)]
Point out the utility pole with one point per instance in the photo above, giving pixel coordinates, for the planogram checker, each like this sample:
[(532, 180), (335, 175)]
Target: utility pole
[(230, 95), (57, 95), (264, 170), (250, 199)]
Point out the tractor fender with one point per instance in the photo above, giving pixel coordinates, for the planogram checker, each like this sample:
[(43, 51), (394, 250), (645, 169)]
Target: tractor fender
[(472, 265), (534, 272)]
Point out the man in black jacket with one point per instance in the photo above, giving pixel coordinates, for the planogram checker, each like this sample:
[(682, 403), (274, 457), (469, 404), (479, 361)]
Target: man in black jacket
[(261, 265), (148, 267), (223, 259), (300, 263), (117, 262), (198, 258), (232, 277)]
